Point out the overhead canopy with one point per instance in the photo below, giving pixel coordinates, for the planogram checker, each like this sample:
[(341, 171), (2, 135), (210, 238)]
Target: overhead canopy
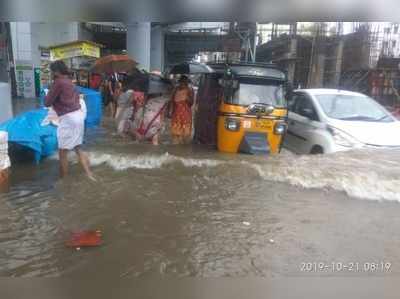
[(75, 49)]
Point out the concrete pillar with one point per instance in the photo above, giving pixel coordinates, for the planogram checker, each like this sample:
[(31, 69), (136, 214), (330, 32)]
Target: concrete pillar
[(157, 49), (3, 53), (6, 111), (138, 41), (318, 68), (292, 55), (338, 65)]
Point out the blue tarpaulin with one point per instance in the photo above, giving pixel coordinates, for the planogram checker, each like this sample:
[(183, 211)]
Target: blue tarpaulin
[(94, 106), (26, 129)]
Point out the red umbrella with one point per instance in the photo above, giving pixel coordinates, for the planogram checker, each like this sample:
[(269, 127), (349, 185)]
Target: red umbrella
[(114, 64)]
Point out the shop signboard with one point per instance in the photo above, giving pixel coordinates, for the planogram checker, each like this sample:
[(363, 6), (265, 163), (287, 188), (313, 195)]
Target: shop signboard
[(75, 49), (91, 50), (44, 54), (25, 76)]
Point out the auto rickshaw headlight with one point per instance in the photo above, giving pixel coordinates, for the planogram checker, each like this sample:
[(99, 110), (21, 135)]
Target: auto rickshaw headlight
[(232, 124), (280, 128)]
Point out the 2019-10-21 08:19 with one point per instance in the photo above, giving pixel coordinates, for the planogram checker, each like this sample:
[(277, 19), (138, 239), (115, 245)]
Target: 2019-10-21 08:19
[(348, 267)]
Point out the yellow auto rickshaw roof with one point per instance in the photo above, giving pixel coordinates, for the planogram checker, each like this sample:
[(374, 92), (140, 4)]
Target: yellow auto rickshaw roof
[(257, 70)]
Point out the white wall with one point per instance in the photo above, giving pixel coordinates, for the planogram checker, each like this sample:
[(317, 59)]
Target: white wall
[(21, 40), (50, 34), (29, 37)]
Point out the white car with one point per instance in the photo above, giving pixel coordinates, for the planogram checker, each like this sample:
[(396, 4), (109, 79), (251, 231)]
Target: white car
[(330, 120)]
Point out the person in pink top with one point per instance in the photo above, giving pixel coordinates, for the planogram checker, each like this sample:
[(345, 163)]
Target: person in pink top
[(64, 99)]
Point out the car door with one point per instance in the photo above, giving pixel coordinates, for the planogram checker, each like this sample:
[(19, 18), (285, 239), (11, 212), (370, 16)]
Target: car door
[(290, 140), (303, 121)]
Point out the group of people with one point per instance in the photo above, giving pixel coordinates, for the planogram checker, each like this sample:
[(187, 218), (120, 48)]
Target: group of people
[(138, 112), (141, 114)]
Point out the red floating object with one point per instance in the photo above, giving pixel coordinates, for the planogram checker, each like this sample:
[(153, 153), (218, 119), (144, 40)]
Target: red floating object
[(89, 238)]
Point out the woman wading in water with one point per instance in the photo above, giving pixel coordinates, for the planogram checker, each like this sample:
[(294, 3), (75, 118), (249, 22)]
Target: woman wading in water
[(64, 99), (182, 101)]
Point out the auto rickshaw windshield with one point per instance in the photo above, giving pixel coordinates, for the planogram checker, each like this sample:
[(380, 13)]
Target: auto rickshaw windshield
[(256, 92)]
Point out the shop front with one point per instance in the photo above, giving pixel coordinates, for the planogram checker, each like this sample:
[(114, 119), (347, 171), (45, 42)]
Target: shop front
[(79, 57)]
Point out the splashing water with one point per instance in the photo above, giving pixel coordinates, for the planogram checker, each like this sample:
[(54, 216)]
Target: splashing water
[(352, 172), (123, 162)]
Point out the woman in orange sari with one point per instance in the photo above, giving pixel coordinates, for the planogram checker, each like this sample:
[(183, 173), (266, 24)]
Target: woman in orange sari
[(182, 101)]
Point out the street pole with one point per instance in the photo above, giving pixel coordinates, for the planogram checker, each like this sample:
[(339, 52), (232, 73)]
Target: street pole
[(11, 60)]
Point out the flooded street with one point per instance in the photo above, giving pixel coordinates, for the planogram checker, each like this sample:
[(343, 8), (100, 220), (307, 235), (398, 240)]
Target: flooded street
[(190, 211)]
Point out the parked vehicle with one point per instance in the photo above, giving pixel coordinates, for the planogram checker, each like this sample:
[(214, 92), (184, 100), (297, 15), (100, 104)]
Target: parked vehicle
[(329, 120), (242, 107)]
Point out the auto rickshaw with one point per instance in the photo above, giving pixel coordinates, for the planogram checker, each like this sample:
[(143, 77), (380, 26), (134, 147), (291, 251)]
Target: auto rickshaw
[(242, 107)]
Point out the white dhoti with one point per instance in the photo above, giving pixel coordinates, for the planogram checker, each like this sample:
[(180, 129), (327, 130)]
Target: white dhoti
[(4, 158), (71, 130)]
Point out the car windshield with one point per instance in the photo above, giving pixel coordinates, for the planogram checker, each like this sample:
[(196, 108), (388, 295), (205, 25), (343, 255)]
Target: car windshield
[(247, 93), (356, 108)]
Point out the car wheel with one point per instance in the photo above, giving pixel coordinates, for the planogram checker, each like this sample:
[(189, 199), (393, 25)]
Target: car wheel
[(317, 150)]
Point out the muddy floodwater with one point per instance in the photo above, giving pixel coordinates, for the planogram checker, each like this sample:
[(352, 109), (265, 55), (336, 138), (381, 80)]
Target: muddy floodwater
[(188, 211)]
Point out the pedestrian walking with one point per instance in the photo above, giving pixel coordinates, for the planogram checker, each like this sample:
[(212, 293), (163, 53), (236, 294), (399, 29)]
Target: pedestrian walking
[(181, 103), (114, 88), (125, 108), (64, 99)]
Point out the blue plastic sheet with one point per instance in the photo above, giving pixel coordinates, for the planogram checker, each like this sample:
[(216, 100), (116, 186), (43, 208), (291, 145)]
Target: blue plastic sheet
[(26, 130), (94, 105)]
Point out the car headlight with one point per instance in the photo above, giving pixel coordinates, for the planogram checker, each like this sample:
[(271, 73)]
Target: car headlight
[(232, 124), (280, 128), (342, 138)]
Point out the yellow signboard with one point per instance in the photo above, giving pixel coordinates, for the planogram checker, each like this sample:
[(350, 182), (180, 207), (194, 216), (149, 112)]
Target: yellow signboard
[(91, 50), (75, 50)]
